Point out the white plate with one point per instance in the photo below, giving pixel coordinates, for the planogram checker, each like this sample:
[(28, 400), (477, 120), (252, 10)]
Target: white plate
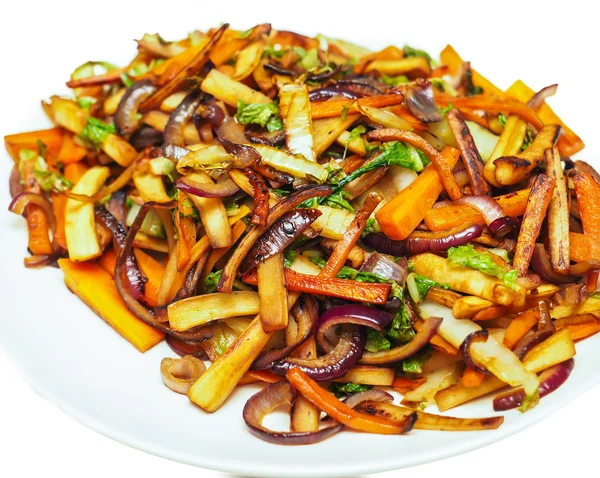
[(75, 360)]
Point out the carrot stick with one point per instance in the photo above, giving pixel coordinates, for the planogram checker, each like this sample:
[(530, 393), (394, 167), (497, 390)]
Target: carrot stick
[(449, 217), (252, 376), (186, 230), (491, 313), (452, 59), (332, 108), (404, 384), (580, 332), (153, 271), (588, 200), (592, 281), (492, 105), (471, 378), (535, 213), (373, 293), (584, 247), (52, 138), (399, 217), (519, 326), (342, 250), (108, 261), (341, 412), (568, 142), (70, 151), (74, 171), (441, 165)]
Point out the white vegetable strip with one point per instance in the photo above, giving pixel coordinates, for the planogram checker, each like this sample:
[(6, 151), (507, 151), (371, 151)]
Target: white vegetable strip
[(294, 105)]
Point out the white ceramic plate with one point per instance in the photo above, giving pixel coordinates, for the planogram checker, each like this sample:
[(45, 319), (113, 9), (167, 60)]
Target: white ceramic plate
[(75, 360)]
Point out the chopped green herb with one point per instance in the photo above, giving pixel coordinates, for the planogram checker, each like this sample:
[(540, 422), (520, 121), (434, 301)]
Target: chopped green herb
[(415, 52), (352, 274), (529, 137), (289, 256), (310, 61), (345, 110), (502, 119), (394, 80), (376, 342), (86, 102), (414, 363), (96, 131), (49, 180), (425, 283), (263, 114), (446, 110), (439, 84), (467, 256), (280, 192), (354, 135), (126, 80), (212, 281), (338, 201), (245, 34), (301, 52), (371, 227), (402, 329), (272, 51), (42, 148), (341, 390)]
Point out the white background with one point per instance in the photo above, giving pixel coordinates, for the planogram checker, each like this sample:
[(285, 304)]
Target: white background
[(545, 43)]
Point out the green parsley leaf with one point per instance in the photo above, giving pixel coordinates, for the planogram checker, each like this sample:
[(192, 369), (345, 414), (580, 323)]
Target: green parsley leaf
[(341, 390), (414, 363), (212, 281), (126, 80), (438, 84), (349, 273), (529, 137), (402, 329), (446, 110), (96, 131), (289, 256), (422, 285), (467, 256), (376, 342), (245, 34), (301, 52), (371, 227), (415, 52), (345, 110), (280, 192), (394, 80), (86, 102), (263, 114), (502, 119), (42, 148), (338, 201), (271, 51)]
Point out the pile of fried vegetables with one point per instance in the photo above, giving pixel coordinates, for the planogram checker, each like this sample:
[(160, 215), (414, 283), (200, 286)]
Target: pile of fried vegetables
[(331, 221)]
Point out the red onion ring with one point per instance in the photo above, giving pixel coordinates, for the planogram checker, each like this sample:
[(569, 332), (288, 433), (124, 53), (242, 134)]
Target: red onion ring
[(477, 336), (272, 138), (334, 364), (14, 182), (117, 206), (550, 380), (327, 92), (173, 133), (385, 266), (498, 222), (126, 115), (420, 340), (174, 152), (538, 99), (33, 262), (22, 200), (268, 399), (207, 190), (135, 279), (350, 314), (145, 136), (182, 348), (418, 98), (244, 155), (306, 313), (424, 241), (375, 395), (529, 341)]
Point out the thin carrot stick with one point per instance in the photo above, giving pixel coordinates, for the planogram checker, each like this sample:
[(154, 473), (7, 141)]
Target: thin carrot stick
[(332, 108), (519, 326), (471, 378)]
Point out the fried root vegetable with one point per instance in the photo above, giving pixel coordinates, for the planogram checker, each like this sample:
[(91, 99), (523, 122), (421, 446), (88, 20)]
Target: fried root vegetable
[(539, 199), (180, 374), (509, 144), (465, 307), (429, 421), (514, 169), (294, 105), (400, 216), (80, 225), (490, 354), (213, 215), (193, 311), (519, 326), (440, 163), (97, 290), (457, 215), (568, 143), (194, 67), (558, 215), (290, 202), (261, 198), (272, 397), (332, 222), (368, 375), (343, 248), (126, 114), (334, 108), (372, 293), (463, 279), (356, 257), (326, 402), (558, 348), (325, 131), (471, 157), (273, 295), (588, 199), (583, 247), (230, 91)]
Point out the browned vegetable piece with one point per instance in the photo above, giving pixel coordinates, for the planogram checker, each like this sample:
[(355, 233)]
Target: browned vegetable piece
[(558, 215)]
